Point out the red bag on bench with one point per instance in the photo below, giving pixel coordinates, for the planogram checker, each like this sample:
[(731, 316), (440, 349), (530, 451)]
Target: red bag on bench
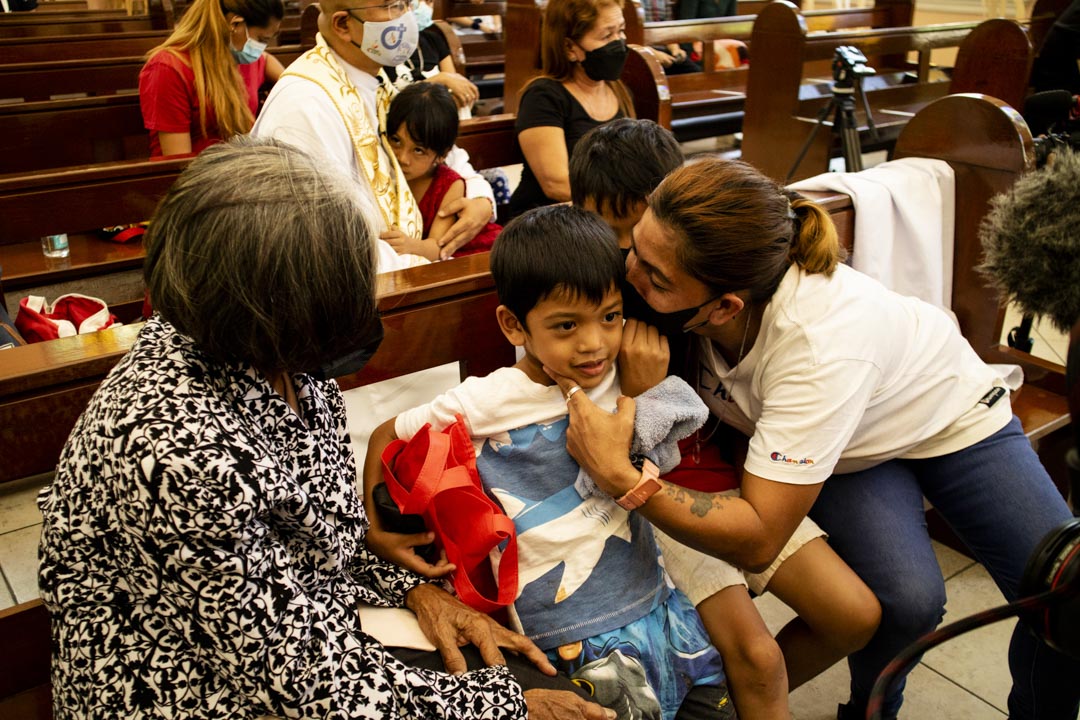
[(71, 314), (434, 475)]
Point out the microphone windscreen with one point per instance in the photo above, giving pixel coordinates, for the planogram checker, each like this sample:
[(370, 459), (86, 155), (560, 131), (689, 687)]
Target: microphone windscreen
[(1043, 110), (1031, 242)]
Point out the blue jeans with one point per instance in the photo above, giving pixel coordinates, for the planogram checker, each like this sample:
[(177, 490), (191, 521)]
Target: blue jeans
[(998, 498)]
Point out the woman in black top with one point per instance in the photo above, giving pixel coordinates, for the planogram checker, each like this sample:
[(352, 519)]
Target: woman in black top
[(583, 48)]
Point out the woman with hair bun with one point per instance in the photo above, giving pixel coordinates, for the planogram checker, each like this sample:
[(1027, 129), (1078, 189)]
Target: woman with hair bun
[(202, 84), (857, 403)]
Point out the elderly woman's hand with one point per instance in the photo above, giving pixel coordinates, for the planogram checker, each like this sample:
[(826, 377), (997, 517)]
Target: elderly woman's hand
[(563, 705), (450, 624), (473, 214), (598, 440), (643, 357)]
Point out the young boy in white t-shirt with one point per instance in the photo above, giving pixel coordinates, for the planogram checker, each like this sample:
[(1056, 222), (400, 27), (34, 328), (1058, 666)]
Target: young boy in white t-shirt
[(613, 169), (592, 592)]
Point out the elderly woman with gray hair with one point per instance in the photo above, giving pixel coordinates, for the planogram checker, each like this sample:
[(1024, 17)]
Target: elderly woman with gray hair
[(203, 548)]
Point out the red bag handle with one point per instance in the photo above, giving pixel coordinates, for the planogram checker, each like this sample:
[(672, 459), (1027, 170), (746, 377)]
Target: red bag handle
[(434, 475), (502, 527), (399, 458)]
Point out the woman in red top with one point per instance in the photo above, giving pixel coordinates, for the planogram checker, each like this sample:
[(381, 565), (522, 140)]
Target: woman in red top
[(201, 85)]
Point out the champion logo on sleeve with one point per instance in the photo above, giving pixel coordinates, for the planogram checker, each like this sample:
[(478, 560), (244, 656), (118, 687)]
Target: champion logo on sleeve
[(782, 458)]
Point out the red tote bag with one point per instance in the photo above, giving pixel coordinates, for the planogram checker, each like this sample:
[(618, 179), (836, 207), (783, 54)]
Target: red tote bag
[(434, 475)]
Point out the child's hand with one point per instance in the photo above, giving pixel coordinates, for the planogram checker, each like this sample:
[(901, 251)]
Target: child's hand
[(643, 357), (405, 244), (398, 548), (396, 237)]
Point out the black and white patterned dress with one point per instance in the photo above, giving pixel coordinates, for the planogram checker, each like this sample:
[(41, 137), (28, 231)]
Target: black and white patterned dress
[(203, 553)]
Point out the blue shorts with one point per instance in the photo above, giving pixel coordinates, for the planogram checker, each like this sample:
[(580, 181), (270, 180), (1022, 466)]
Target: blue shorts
[(650, 665)]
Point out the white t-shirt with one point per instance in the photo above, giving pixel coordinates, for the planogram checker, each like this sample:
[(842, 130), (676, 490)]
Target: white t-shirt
[(501, 401), (845, 375)]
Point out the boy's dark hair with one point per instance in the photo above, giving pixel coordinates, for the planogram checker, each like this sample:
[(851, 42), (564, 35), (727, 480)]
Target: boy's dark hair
[(558, 248), (429, 114), (621, 162)]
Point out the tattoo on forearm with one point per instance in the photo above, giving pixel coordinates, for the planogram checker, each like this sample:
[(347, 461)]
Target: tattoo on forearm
[(700, 502)]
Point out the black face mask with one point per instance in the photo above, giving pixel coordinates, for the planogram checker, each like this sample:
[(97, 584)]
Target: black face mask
[(352, 361), (605, 63), (669, 324), (673, 323)]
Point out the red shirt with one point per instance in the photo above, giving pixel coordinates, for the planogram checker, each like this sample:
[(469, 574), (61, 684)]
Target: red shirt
[(169, 103)]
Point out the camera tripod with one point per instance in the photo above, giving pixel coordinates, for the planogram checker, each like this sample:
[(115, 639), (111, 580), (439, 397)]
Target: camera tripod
[(848, 70)]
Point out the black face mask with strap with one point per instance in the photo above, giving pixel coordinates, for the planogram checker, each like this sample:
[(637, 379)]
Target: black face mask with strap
[(605, 63), (352, 361)]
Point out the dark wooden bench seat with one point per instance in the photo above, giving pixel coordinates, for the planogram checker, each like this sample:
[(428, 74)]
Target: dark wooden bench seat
[(33, 25), (36, 81), (49, 134), (80, 47)]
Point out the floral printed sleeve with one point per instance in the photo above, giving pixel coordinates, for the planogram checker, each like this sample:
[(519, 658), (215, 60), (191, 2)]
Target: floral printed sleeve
[(276, 634)]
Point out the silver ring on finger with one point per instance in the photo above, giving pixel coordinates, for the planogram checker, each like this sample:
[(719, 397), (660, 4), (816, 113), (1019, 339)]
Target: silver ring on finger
[(571, 391)]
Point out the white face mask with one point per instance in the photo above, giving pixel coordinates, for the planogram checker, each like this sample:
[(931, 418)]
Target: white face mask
[(390, 42)]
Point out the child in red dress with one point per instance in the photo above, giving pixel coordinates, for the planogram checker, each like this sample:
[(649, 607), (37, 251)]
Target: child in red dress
[(422, 125)]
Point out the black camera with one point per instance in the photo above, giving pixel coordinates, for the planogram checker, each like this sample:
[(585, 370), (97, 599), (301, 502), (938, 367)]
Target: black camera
[(1047, 145), (849, 63)]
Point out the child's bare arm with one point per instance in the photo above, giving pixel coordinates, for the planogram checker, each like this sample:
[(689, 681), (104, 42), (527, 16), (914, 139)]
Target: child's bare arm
[(405, 244), (397, 548), (443, 224)]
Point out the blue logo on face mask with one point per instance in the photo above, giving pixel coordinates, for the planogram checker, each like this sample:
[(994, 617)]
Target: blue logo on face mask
[(391, 36)]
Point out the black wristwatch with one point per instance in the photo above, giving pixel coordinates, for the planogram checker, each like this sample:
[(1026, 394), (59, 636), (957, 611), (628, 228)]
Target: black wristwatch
[(476, 23)]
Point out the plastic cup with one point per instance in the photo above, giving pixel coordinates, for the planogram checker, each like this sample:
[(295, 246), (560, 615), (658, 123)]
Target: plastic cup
[(55, 246)]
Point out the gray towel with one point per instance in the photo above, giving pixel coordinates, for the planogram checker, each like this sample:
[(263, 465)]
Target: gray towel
[(666, 413)]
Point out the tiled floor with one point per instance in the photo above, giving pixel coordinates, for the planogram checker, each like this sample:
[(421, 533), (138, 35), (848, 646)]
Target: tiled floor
[(966, 679)]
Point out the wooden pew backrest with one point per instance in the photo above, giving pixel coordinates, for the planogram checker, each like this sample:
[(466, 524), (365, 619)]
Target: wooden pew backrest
[(777, 120), (25, 692)]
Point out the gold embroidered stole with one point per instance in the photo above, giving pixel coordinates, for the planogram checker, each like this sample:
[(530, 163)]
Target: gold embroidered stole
[(392, 194)]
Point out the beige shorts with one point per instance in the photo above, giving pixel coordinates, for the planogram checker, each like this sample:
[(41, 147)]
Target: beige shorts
[(700, 576)]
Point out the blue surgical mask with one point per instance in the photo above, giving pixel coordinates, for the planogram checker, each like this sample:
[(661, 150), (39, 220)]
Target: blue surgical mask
[(423, 15), (252, 51)]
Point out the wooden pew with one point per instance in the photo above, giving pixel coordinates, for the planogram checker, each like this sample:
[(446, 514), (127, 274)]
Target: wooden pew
[(78, 201), (710, 103), (484, 54), (37, 81), (121, 193), (994, 58), (445, 310), (80, 131), (47, 134), (25, 689), (80, 47), (106, 74), (160, 16)]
